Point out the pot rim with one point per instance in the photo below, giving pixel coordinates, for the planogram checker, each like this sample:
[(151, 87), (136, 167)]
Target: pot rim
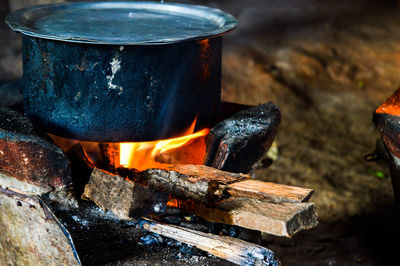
[(23, 21)]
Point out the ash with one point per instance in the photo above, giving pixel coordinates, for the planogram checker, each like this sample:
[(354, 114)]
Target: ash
[(101, 238)]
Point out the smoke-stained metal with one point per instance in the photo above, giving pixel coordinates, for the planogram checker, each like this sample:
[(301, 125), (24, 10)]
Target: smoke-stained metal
[(123, 88)]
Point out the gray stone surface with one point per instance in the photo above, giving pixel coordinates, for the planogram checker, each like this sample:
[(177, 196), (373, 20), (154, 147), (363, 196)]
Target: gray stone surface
[(30, 234)]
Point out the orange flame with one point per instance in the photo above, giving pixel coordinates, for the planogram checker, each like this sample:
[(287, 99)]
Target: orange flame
[(188, 149), (391, 105)]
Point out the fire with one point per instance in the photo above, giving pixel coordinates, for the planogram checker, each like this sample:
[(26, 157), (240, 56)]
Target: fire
[(187, 149)]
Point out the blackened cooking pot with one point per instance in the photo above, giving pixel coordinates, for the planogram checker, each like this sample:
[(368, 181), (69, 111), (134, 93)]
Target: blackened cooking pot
[(121, 71)]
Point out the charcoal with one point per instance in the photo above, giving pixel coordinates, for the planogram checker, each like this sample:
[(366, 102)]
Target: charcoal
[(190, 250), (172, 211), (214, 228), (151, 239), (173, 243), (101, 238), (234, 231), (28, 162), (195, 226), (236, 144), (173, 219)]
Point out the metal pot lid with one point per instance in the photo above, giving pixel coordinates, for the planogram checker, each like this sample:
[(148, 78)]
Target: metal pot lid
[(121, 23)]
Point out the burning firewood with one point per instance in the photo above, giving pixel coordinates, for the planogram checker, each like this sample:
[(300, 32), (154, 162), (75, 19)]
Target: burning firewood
[(124, 198), (148, 189), (232, 249), (280, 219), (197, 182), (273, 211), (236, 144)]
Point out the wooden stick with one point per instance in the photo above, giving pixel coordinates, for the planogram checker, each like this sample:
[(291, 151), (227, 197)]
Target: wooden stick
[(232, 249), (269, 191)]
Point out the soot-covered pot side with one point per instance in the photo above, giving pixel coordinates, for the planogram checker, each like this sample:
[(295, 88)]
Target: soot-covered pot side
[(121, 70), (115, 93)]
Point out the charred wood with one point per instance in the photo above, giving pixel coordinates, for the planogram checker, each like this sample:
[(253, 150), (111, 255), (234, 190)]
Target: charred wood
[(232, 249), (197, 182), (236, 144), (228, 109), (205, 191)]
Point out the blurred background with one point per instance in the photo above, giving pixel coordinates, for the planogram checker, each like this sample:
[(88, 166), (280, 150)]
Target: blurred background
[(328, 65)]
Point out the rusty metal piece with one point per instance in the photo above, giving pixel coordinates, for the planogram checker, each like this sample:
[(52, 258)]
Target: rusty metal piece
[(387, 119)]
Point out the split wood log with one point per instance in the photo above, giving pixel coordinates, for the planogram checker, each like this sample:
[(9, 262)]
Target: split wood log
[(283, 219), (269, 191), (123, 197), (197, 182), (129, 198), (236, 144), (232, 249)]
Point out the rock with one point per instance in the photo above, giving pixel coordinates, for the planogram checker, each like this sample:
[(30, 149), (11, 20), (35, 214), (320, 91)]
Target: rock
[(31, 235), (151, 239), (387, 119), (236, 144), (28, 162)]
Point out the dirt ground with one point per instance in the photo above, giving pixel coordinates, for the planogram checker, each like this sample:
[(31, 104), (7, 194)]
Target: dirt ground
[(327, 65)]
